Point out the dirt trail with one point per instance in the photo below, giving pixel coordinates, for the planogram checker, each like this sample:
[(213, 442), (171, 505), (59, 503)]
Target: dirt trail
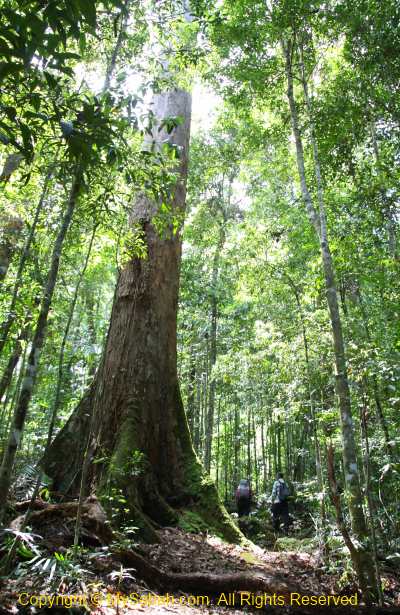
[(186, 574)]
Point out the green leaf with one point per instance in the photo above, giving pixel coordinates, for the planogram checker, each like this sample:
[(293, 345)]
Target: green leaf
[(88, 9), (51, 80), (36, 100)]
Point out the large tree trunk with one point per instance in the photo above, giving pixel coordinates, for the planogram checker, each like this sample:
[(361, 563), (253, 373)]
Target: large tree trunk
[(134, 405)]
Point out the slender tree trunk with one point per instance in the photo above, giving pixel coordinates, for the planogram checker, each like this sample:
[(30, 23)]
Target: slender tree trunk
[(6, 325), (279, 444), (371, 507), (203, 402), (218, 444), (255, 465), (236, 445), (28, 382), (213, 346), (204, 405), (360, 555), (90, 306), (11, 228), (264, 460), (273, 445), (191, 401), (248, 465), (56, 402), (14, 358), (196, 437), (60, 371), (268, 445), (112, 63), (289, 448), (228, 453), (389, 214), (9, 369), (10, 401)]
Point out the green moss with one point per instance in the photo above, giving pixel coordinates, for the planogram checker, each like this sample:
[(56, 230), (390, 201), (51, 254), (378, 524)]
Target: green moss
[(251, 526), (250, 558), (123, 455), (207, 503), (206, 511), (145, 531), (199, 486), (190, 521)]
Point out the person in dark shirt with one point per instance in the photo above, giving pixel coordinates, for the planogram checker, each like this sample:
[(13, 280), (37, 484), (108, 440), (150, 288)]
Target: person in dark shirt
[(243, 497)]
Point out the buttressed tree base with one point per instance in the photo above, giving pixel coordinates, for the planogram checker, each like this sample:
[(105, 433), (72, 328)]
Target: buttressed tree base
[(130, 429)]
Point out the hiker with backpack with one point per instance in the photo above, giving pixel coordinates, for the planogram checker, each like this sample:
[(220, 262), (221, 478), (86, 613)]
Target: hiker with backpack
[(280, 508), (243, 497)]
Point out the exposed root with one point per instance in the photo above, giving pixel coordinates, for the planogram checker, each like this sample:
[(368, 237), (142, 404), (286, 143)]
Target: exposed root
[(94, 519), (211, 584)]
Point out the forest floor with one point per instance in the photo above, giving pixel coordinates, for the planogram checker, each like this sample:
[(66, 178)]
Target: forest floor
[(182, 552), (109, 587)]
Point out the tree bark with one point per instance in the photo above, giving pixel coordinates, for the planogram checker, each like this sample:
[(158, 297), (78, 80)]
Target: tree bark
[(361, 555), (368, 490), (217, 456), (213, 345), (264, 460), (133, 408), (191, 396), (248, 445), (236, 445), (9, 402), (11, 231), (196, 418), (8, 322), (255, 462), (389, 210), (12, 362), (60, 370)]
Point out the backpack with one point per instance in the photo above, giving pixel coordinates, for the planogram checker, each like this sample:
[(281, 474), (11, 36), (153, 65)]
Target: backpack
[(243, 492), (283, 491)]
